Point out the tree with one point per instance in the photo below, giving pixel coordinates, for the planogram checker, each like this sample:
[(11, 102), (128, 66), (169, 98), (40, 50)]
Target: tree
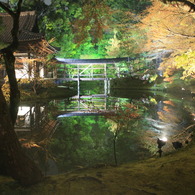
[(81, 141), (134, 6), (128, 35), (42, 62), (18, 165), (170, 28), (183, 63), (93, 21), (9, 60), (128, 38)]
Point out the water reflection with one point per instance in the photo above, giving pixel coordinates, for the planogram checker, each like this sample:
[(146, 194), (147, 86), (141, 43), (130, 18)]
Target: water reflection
[(103, 130)]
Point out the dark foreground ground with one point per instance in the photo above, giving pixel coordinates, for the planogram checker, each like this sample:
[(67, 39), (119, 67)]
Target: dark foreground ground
[(173, 174)]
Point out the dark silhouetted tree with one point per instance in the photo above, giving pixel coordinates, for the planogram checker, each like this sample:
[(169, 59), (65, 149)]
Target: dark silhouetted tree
[(16, 163)]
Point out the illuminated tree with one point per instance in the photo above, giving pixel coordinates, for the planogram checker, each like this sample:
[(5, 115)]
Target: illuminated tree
[(128, 37), (170, 28), (184, 63)]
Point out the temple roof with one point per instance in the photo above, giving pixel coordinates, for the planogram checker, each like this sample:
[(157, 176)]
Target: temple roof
[(28, 32), (27, 26)]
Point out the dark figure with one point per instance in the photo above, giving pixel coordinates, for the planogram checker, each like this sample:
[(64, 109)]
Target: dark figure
[(160, 143), (160, 152), (193, 95), (177, 145)]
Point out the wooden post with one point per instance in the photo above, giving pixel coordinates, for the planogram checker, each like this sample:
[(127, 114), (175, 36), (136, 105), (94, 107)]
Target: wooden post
[(105, 71), (64, 72), (78, 81), (92, 70)]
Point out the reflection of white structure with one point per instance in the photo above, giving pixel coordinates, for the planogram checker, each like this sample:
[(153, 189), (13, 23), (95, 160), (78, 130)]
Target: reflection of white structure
[(26, 118), (23, 119)]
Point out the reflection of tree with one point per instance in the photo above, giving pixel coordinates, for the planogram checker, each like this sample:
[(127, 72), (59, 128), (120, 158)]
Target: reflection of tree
[(121, 121), (81, 141)]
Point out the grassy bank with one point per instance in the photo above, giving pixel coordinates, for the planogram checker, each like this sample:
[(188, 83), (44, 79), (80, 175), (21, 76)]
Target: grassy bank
[(168, 175)]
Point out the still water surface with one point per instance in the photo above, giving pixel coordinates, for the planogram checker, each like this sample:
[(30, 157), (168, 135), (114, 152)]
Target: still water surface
[(91, 131)]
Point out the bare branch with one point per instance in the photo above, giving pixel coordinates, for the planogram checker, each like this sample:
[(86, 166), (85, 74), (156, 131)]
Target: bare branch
[(19, 5), (15, 28), (179, 34), (184, 2), (6, 8)]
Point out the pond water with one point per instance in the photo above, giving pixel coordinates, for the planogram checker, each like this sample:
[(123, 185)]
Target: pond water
[(96, 130)]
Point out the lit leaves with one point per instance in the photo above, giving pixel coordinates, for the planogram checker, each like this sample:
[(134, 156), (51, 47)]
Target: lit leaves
[(184, 62), (168, 28)]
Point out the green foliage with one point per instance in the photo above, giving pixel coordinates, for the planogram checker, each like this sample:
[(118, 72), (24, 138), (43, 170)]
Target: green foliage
[(102, 23), (38, 5), (130, 5), (56, 21), (86, 29), (81, 141), (128, 38)]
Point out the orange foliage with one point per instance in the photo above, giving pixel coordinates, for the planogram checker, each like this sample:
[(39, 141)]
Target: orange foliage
[(30, 145), (167, 109), (169, 27), (169, 79), (168, 117), (169, 103), (125, 114)]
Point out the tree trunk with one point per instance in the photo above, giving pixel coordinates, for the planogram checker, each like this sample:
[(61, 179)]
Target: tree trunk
[(18, 165), (9, 60), (114, 149)]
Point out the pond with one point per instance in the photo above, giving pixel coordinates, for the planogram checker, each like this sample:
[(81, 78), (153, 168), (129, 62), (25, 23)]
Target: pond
[(97, 129)]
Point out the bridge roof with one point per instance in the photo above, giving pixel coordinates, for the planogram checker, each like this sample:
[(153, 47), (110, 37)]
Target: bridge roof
[(85, 113), (94, 61)]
